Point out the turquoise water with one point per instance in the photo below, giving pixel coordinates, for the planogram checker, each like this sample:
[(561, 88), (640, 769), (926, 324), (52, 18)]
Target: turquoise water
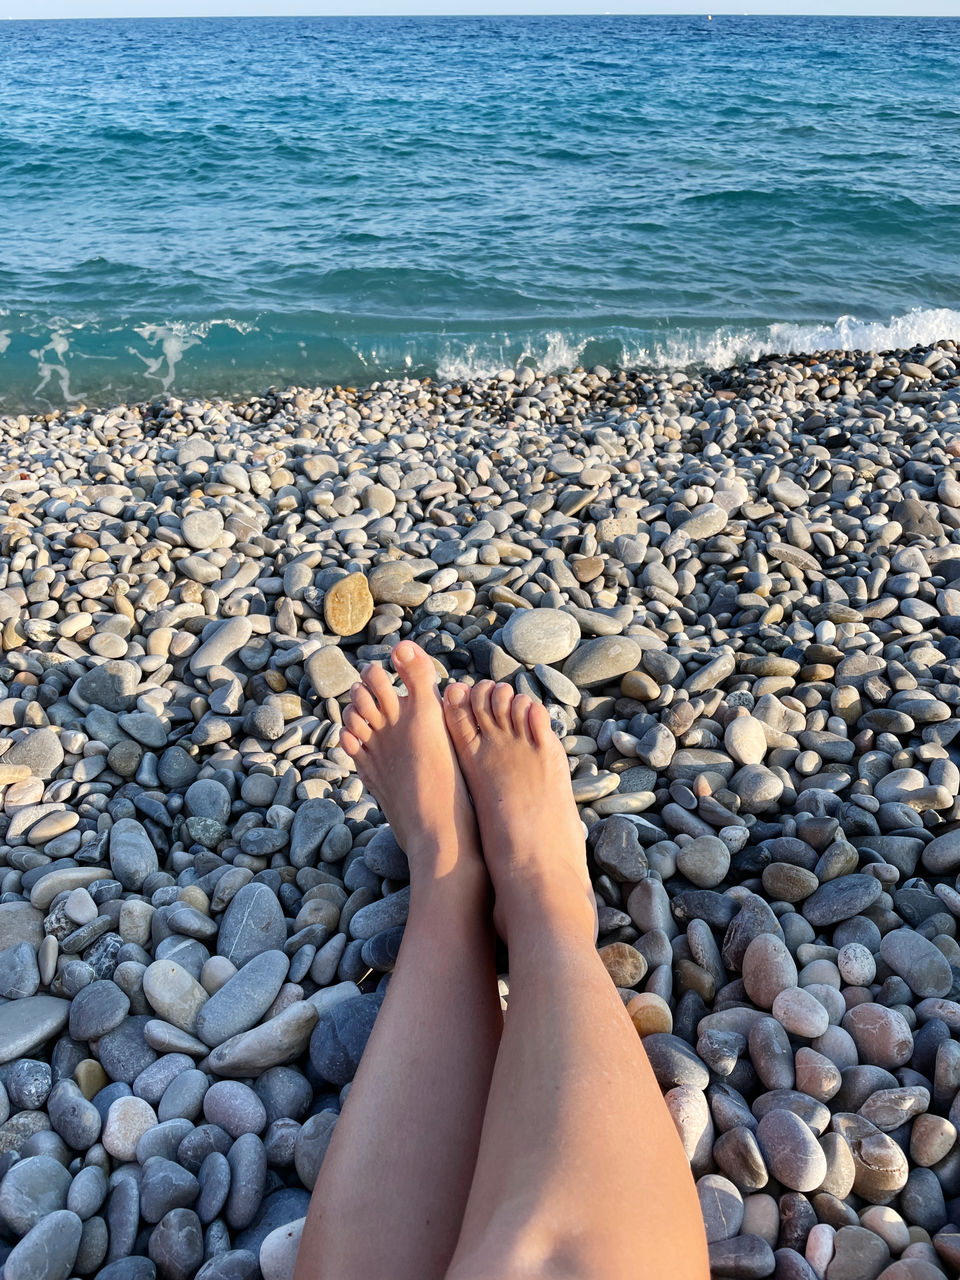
[(218, 205)]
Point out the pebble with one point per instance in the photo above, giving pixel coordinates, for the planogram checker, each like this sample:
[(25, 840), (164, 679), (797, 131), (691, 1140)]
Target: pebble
[(49, 1249), (128, 1119), (540, 635)]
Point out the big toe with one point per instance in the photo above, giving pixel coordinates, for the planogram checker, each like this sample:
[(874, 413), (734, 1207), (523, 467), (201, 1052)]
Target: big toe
[(459, 718), (415, 668)]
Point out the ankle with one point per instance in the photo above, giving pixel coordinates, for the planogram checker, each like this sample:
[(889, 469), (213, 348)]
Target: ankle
[(449, 881), (539, 902)]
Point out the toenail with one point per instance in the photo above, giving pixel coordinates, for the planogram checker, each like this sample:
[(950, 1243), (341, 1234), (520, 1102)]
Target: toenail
[(456, 695), (404, 652)]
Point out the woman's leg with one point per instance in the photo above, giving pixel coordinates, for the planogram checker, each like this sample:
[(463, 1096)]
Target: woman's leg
[(388, 1203), (580, 1171)]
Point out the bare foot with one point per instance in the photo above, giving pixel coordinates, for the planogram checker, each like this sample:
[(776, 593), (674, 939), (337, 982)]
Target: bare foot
[(404, 755), (518, 776)]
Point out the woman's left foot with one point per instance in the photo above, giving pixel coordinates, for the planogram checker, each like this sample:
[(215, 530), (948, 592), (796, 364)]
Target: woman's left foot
[(404, 755)]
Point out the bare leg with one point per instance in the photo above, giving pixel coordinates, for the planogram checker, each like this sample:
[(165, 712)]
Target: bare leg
[(580, 1171), (389, 1201)]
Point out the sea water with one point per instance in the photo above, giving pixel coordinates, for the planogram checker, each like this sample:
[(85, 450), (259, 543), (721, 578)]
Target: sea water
[(215, 205)]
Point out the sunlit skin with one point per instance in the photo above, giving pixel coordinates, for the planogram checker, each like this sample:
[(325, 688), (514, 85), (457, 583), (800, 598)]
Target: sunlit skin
[(469, 1147)]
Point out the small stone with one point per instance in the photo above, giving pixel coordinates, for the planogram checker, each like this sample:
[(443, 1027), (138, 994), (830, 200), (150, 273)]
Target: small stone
[(234, 1107), (48, 1250), (745, 740), (882, 1035), (705, 861), (100, 1007), (176, 1244), (768, 968), (27, 1024), (202, 529), (278, 1253), (175, 994), (922, 966), (331, 672), (540, 635), (19, 972), (791, 1152), (721, 1206), (252, 923), (33, 1188), (39, 750), (601, 660), (243, 999), (799, 1013), (127, 1121), (132, 855), (348, 605)]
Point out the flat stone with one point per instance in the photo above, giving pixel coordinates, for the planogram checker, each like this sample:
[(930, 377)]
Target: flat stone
[(942, 855), (705, 861), (331, 672), (348, 605), (19, 973), (922, 966), (791, 1152), (49, 1250), (26, 1025), (278, 1253), (540, 635), (252, 923), (282, 1039), (243, 999), (34, 1187), (127, 1121), (340, 1036), (97, 1009), (228, 639), (175, 994), (841, 899), (111, 686), (202, 529), (882, 1036), (21, 922), (132, 855), (176, 1244), (602, 660)]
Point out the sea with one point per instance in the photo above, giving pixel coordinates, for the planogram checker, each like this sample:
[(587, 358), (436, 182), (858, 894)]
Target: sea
[(215, 206)]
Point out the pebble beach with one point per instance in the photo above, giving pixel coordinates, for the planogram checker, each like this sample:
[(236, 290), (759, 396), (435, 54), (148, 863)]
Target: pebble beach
[(737, 593)]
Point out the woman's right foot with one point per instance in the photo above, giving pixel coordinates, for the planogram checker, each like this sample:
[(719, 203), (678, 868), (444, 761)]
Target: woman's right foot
[(517, 773)]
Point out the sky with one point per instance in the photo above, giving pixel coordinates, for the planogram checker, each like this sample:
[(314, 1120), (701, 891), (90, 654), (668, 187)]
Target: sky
[(276, 8)]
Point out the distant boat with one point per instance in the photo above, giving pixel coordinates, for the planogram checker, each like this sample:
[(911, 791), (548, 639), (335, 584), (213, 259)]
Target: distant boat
[(709, 17)]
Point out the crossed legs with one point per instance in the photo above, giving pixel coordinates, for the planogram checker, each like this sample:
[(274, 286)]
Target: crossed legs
[(544, 1151)]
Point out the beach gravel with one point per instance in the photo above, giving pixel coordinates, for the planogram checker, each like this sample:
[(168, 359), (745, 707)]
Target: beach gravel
[(738, 596)]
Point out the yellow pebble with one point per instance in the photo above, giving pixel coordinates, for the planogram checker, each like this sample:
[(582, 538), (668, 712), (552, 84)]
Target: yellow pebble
[(649, 1014)]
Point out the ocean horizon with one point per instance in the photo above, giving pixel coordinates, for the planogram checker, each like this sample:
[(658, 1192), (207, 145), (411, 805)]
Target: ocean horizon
[(211, 206)]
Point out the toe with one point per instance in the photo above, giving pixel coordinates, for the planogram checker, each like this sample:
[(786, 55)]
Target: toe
[(350, 743), (415, 668), (459, 718), (518, 715), (501, 700), (365, 704), (355, 724), (538, 724), (378, 681), (480, 696)]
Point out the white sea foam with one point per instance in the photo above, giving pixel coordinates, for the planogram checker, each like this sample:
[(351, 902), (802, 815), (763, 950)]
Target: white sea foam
[(49, 367), (727, 346), (174, 340), (559, 350), (4, 340)]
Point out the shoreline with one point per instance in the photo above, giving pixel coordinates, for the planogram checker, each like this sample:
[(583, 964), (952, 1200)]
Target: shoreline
[(757, 683), (734, 377)]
